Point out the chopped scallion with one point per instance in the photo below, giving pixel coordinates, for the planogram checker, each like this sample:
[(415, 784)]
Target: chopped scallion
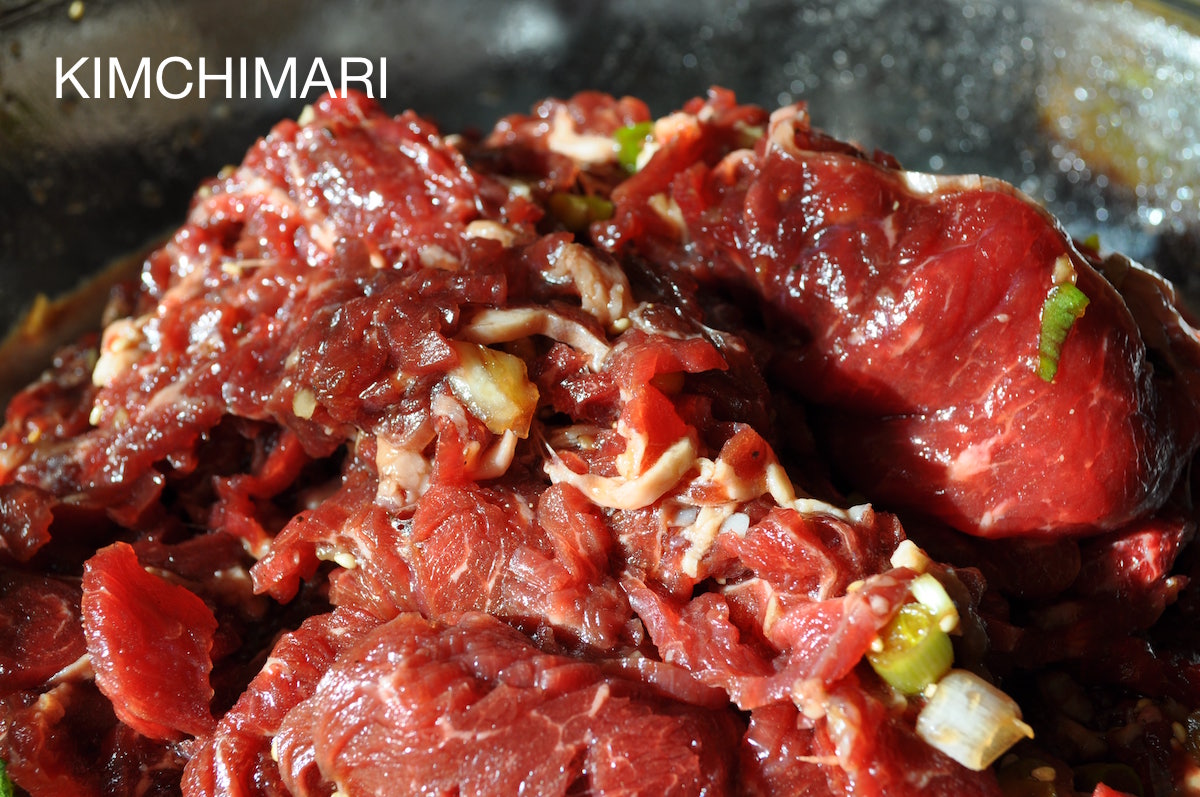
[(577, 211), (6, 785), (930, 593), (1064, 304), (915, 650), (970, 720), (630, 140)]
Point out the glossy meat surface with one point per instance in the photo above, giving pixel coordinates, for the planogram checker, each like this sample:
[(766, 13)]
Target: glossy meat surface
[(481, 464), (913, 304)]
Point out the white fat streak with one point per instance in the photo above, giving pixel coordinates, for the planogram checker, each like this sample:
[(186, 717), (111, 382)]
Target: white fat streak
[(239, 268), (780, 488), (319, 227), (462, 568), (782, 136), (772, 613), (503, 326), (585, 148), (973, 460), (629, 462), (781, 131), (646, 153), (669, 211), (923, 183), (496, 459), (78, 670), (121, 346), (673, 124), (909, 554), (727, 168), (438, 257), (450, 733), (404, 472), (491, 230), (343, 558), (615, 492), (810, 697), (604, 291), (174, 395), (579, 436), (599, 699), (737, 488), (487, 463), (1063, 271), (702, 533), (640, 318)]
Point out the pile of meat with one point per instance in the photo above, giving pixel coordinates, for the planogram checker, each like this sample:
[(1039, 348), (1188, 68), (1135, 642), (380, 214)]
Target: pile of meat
[(595, 455)]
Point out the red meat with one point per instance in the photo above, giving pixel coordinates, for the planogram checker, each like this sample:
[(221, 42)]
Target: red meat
[(237, 759), (914, 308), (40, 631), (149, 641), (395, 472), (476, 709)]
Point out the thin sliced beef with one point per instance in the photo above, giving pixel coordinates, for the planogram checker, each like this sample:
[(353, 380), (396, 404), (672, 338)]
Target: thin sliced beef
[(406, 467), (41, 634), (150, 644), (475, 708), (914, 305), (40, 735), (237, 759), (475, 550), (25, 516)]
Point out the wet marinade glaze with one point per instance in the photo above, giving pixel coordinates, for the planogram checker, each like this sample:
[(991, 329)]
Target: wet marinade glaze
[(425, 464)]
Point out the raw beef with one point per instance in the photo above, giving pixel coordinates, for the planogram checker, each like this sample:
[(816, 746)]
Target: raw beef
[(865, 266), (150, 643), (481, 464), (475, 708)]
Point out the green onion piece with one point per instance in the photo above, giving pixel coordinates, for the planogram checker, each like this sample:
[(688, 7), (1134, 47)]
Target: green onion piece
[(630, 140), (930, 594), (577, 211), (970, 720), (1064, 304), (916, 652), (1121, 777), (6, 785)]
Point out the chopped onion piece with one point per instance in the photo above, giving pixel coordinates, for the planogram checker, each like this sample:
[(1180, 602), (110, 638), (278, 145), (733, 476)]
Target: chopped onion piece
[(930, 593), (909, 554), (971, 720), (494, 387)]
